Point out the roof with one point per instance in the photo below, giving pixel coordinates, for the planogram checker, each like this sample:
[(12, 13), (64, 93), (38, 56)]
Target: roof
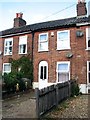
[(68, 22)]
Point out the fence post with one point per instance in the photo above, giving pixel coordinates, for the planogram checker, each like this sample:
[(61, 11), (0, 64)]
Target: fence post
[(37, 102), (56, 95), (69, 83)]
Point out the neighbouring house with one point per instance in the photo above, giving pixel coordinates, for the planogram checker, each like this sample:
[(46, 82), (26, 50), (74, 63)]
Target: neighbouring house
[(59, 49), (1, 49)]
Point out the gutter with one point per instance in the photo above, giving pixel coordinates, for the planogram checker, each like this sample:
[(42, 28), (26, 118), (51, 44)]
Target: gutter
[(15, 34)]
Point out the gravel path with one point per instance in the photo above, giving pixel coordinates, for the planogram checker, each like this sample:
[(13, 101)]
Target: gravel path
[(21, 106), (72, 108)]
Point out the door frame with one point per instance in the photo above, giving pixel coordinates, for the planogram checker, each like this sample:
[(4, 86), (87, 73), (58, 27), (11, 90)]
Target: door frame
[(45, 81)]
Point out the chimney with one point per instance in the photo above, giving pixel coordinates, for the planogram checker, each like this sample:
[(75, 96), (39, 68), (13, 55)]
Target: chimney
[(19, 15), (81, 8), (19, 21)]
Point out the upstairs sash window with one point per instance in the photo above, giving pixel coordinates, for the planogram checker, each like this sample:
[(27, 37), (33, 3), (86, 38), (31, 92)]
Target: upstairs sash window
[(63, 40), (23, 45), (8, 45), (43, 42)]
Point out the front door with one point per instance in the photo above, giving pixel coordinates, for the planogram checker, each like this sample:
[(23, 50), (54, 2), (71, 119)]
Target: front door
[(88, 77), (43, 74)]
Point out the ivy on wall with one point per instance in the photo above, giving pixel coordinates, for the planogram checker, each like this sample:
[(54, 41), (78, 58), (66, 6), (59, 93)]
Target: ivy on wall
[(24, 66)]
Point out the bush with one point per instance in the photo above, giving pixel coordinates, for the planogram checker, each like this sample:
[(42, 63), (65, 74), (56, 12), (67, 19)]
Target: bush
[(21, 68), (75, 90), (23, 65), (10, 81)]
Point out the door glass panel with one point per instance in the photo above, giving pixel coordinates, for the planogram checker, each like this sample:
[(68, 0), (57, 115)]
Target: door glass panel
[(41, 75), (89, 77), (45, 72), (89, 43), (89, 66)]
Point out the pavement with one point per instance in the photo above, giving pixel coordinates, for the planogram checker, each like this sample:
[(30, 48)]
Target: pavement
[(20, 106)]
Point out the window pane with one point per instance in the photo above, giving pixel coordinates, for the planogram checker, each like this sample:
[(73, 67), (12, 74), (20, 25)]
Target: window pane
[(22, 48), (63, 67), (43, 37), (10, 42), (7, 67), (10, 49), (62, 77), (41, 73), (44, 46), (45, 72), (23, 40), (63, 35)]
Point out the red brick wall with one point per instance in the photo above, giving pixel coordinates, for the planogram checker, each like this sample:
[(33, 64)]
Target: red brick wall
[(81, 9), (1, 49), (77, 62), (15, 54)]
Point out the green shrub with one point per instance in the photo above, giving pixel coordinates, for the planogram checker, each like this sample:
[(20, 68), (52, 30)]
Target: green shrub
[(24, 66), (10, 81), (75, 90), (21, 68)]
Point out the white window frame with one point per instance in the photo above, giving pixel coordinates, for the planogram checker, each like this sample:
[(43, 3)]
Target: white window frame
[(21, 38), (88, 72), (87, 37), (39, 50), (4, 65), (58, 40), (8, 39), (63, 62)]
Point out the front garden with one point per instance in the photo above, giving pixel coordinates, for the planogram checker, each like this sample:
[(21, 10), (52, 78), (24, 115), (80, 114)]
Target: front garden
[(20, 78)]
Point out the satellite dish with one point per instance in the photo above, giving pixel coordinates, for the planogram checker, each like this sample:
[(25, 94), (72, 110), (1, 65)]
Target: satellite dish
[(69, 55), (79, 33)]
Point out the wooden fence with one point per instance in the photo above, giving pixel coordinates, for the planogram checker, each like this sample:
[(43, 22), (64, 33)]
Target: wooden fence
[(51, 96)]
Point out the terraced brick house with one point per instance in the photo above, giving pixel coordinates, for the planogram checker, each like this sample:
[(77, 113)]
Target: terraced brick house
[(60, 49)]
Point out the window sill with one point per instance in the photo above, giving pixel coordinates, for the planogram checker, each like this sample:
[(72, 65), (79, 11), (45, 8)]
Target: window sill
[(22, 53), (87, 49), (43, 50), (63, 49), (7, 54), (63, 81)]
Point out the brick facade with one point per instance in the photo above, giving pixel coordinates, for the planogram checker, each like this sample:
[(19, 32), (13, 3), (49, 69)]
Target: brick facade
[(77, 62), (15, 55), (1, 49)]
